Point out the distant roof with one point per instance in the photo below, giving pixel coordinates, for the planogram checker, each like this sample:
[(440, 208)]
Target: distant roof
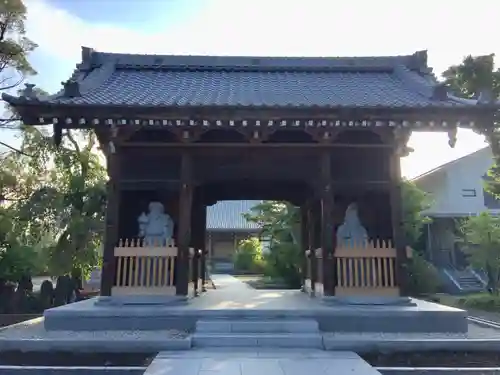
[(228, 215), (445, 166), (110, 79)]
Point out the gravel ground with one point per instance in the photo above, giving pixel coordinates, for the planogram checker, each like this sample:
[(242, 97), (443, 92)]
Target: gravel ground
[(478, 332), (475, 332), (34, 329)]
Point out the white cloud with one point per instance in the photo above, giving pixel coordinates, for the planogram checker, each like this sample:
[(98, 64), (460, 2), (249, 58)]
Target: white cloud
[(296, 27), (293, 27)]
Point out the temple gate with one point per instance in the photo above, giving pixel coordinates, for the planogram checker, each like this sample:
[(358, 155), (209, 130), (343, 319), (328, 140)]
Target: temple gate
[(181, 132)]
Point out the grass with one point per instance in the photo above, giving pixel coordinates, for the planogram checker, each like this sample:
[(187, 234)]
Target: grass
[(476, 301)]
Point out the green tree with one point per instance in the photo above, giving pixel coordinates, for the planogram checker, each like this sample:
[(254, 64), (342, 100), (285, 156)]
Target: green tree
[(17, 255), (415, 202), (480, 236), (55, 199), (423, 276), (15, 48), (70, 202), (280, 223), (248, 256), (472, 75), (468, 79)]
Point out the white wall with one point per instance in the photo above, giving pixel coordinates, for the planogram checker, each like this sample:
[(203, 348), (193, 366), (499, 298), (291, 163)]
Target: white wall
[(447, 186)]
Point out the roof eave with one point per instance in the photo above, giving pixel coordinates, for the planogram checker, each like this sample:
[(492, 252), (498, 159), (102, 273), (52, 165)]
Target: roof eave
[(450, 105)]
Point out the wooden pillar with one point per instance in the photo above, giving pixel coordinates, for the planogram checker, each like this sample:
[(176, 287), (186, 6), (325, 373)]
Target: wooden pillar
[(199, 220), (304, 242), (327, 229), (197, 240), (184, 231), (111, 227), (210, 246), (203, 243), (312, 221), (397, 222)]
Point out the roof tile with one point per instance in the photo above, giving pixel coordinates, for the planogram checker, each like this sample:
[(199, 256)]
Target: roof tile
[(270, 89), (153, 80), (228, 215)]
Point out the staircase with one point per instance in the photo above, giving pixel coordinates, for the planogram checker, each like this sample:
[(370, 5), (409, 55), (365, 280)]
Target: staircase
[(466, 281), (257, 332)]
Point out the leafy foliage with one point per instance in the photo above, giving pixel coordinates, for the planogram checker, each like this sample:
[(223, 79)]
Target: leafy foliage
[(15, 48), (468, 79), (280, 223), (55, 201), (473, 74), (415, 201), (480, 236), (423, 276), (248, 256)]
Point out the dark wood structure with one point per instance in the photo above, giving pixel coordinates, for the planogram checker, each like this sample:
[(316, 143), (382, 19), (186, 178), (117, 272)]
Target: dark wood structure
[(191, 130)]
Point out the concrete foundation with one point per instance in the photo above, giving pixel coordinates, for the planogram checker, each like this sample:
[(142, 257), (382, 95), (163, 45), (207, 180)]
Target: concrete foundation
[(417, 316)]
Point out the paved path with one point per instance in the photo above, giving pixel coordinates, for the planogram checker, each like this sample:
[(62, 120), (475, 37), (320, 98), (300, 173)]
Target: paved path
[(232, 293), (254, 362), (225, 281)]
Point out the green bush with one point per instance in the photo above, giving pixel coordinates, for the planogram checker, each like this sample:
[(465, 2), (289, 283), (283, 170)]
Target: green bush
[(283, 262), (248, 256), (16, 262), (423, 276)]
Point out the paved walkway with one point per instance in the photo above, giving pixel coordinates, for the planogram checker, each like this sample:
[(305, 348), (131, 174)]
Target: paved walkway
[(225, 281), (264, 362), (232, 293)]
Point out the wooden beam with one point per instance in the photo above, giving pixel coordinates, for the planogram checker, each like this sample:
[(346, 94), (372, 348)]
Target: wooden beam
[(219, 145), (33, 111)]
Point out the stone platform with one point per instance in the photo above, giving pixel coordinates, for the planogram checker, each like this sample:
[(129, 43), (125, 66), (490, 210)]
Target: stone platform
[(232, 301)]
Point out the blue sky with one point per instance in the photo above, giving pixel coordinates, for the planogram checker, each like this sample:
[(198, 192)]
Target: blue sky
[(448, 29)]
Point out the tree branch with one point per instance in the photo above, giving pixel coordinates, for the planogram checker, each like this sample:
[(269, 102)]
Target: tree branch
[(14, 149)]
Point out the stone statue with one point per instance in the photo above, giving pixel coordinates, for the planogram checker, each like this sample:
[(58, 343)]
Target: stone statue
[(351, 232), (156, 227)]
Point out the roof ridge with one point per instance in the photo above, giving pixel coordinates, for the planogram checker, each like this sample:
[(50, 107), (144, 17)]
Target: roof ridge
[(416, 81), (91, 57)]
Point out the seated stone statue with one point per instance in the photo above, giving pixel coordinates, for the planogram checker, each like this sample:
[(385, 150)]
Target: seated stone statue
[(156, 227), (351, 232)]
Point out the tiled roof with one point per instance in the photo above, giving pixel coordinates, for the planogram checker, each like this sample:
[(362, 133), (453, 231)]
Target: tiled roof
[(228, 215), (149, 80)]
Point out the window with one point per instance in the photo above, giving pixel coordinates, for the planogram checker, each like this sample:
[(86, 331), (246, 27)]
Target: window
[(468, 193)]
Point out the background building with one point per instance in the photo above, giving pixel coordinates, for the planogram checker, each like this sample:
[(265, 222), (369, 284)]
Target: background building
[(457, 191), (225, 227)]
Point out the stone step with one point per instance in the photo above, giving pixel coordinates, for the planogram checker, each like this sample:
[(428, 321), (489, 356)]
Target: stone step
[(257, 326), (275, 340)]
